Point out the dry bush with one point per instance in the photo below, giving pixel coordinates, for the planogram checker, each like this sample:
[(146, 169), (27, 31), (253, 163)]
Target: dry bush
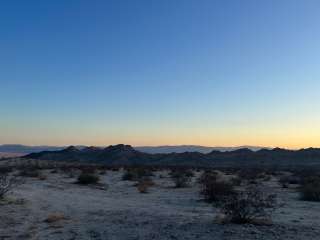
[(285, 181), (55, 217), (144, 185), (135, 174), (102, 171), (252, 175), (310, 189), (249, 206), (5, 170), (213, 189), (181, 178), (42, 177), (86, 178), (54, 171), (236, 181), (31, 171), (7, 183)]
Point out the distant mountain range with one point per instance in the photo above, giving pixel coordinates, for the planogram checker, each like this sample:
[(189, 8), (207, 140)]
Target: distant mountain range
[(126, 155), (190, 148), (17, 148), (23, 149)]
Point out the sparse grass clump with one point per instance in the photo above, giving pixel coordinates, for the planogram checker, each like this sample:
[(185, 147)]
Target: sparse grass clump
[(86, 178), (213, 189), (249, 206), (310, 189)]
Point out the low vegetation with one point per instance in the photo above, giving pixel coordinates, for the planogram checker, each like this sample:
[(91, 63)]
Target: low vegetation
[(213, 189), (144, 185), (7, 183), (31, 171), (249, 206), (86, 178), (286, 181), (181, 178), (310, 189), (135, 174)]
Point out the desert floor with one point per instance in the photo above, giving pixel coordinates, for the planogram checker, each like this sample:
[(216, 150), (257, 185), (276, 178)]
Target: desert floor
[(116, 210)]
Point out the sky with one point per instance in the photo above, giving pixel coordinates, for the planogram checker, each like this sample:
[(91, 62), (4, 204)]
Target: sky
[(169, 72)]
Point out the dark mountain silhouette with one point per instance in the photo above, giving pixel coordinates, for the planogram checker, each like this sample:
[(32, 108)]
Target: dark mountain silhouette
[(127, 155), (190, 148), (17, 148)]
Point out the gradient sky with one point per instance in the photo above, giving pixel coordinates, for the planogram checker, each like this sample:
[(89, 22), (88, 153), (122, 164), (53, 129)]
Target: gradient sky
[(229, 72)]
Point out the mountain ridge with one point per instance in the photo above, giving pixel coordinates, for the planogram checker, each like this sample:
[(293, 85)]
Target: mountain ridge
[(19, 148), (127, 155)]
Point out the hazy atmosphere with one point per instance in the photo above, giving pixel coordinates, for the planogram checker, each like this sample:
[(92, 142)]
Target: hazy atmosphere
[(213, 73)]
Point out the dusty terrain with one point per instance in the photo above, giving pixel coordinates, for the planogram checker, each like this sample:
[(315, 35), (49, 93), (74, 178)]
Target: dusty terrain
[(57, 208)]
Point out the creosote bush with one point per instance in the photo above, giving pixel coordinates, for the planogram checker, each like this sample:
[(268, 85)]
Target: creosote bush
[(7, 183), (181, 178), (31, 171), (285, 181), (310, 189), (249, 206), (144, 185), (135, 174), (213, 189), (88, 178)]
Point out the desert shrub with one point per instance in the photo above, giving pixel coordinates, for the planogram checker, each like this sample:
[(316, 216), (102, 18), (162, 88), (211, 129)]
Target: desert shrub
[(42, 177), (213, 189), (236, 181), (7, 183), (285, 181), (32, 172), (5, 170), (251, 174), (181, 178), (135, 174), (248, 206), (102, 171), (128, 176), (87, 178), (55, 217), (144, 185), (310, 189), (54, 171)]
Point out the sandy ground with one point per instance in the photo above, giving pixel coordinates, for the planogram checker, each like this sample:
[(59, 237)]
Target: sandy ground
[(119, 211)]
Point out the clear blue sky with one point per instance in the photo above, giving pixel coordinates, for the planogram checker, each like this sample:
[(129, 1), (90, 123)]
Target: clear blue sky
[(160, 72)]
